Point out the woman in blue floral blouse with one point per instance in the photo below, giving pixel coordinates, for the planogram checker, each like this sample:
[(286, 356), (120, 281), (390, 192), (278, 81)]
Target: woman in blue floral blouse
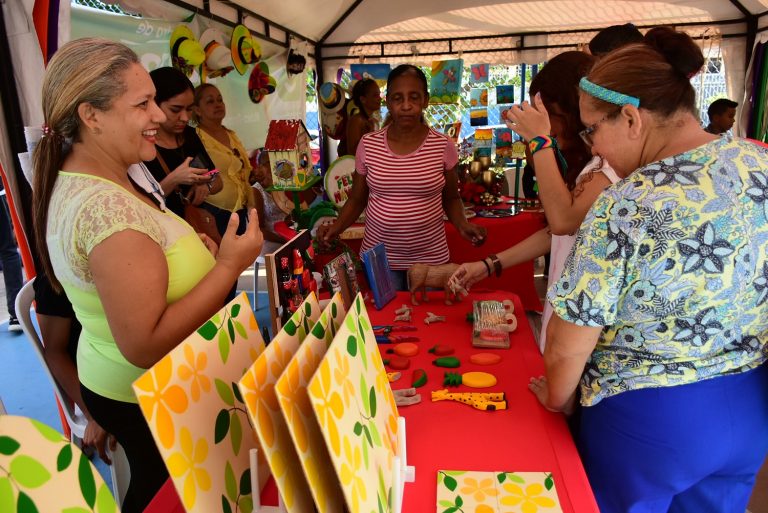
[(661, 313)]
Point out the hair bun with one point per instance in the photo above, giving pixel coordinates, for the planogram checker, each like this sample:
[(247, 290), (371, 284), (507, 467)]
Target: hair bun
[(677, 48)]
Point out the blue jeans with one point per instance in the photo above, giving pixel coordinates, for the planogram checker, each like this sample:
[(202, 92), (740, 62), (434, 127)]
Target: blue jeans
[(687, 448), (9, 255)]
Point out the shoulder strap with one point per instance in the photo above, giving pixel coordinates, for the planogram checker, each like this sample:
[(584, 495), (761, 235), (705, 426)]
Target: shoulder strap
[(162, 163)]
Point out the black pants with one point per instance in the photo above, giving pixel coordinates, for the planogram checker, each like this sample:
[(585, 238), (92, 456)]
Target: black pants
[(126, 423), (9, 255)]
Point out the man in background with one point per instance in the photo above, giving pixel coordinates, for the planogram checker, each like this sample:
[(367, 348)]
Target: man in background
[(9, 256), (722, 115)]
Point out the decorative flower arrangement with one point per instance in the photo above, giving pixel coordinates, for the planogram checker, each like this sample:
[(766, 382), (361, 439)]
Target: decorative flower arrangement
[(479, 191)]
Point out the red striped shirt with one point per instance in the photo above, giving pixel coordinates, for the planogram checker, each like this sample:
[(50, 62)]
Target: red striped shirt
[(405, 202)]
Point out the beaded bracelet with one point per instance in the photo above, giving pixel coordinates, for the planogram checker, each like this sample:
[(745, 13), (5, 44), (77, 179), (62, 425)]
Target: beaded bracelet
[(541, 142)]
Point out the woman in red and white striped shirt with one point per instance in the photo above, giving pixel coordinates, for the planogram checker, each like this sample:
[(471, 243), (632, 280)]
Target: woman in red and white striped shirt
[(405, 175)]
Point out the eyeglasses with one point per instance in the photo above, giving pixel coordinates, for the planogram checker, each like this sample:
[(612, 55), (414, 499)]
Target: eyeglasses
[(586, 134)]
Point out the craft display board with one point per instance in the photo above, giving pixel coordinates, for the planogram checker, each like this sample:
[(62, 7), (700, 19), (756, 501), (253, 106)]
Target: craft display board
[(291, 390), (196, 413), (257, 387), (379, 276), (338, 179), (356, 410), (281, 292), (492, 492)]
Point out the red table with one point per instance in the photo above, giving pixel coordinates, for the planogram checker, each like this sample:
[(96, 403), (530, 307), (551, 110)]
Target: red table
[(503, 232)]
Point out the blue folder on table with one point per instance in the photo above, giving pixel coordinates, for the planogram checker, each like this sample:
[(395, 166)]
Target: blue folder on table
[(379, 277)]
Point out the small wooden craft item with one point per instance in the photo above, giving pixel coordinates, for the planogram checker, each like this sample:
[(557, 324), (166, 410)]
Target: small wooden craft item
[(421, 276), (418, 378), (484, 359), (405, 349), (486, 401), (398, 362), (406, 397), (492, 324), (441, 350), (447, 361), (432, 318), (497, 491), (471, 379)]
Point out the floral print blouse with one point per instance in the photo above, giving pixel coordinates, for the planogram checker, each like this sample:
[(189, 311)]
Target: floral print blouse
[(673, 262)]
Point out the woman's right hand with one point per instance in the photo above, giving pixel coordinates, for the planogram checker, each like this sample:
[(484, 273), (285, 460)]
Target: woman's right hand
[(326, 233), (467, 275), (187, 175), (239, 251)]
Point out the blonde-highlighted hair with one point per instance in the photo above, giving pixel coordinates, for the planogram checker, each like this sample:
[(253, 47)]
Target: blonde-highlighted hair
[(82, 71)]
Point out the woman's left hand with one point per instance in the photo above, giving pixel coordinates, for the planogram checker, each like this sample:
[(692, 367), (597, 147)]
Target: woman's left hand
[(540, 389), (529, 120), (473, 233), (210, 244)]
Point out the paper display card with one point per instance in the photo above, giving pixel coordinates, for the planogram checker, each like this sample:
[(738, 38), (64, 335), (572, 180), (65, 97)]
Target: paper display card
[(492, 492), (478, 97), (479, 73), (445, 86), (379, 276), (478, 117), (257, 389), (505, 94), (196, 414), (378, 72), (291, 390), (483, 143), (356, 410)]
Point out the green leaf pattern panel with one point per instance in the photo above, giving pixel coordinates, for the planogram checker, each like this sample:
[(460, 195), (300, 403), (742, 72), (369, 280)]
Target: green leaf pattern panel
[(356, 410), (196, 413), (41, 471), (302, 424), (491, 492), (258, 389)]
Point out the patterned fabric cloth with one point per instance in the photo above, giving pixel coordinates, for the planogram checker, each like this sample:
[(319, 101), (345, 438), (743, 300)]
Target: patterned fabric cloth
[(405, 203), (673, 262)]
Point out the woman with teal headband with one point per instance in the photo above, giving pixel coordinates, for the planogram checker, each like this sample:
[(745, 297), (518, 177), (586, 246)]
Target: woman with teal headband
[(661, 313)]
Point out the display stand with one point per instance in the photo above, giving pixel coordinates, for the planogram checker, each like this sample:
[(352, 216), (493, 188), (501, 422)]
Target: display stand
[(256, 493), (401, 472)]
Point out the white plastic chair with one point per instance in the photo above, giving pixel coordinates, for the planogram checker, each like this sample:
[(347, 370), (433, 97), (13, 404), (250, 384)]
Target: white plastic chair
[(121, 474)]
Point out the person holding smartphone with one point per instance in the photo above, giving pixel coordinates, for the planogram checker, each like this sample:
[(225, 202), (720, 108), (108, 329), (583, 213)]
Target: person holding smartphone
[(182, 167)]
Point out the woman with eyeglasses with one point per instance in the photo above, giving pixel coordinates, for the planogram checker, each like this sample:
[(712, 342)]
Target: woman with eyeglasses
[(569, 182), (661, 314), (229, 156)]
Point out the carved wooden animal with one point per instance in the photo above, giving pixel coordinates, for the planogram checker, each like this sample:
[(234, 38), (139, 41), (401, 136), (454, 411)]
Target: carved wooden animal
[(421, 276)]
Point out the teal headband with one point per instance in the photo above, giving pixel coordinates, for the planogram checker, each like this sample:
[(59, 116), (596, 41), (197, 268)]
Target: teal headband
[(602, 93)]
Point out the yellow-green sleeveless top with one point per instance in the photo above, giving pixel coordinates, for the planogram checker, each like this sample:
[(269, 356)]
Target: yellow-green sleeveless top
[(84, 211)]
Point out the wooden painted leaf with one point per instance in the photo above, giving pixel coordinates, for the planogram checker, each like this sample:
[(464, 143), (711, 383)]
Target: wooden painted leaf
[(7, 500), (374, 434), (230, 484), (48, 432), (222, 426), (444, 503), (307, 309), (334, 310), (8, 445), (364, 324), (365, 453), (105, 503), (224, 392), (225, 507), (459, 501), (368, 435), (235, 432), (245, 482), (451, 510), (349, 322), (352, 345), (241, 329), (245, 504), (450, 483), (235, 310), (290, 327), (208, 330), (366, 398), (223, 346), (501, 477), (231, 330), (64, 458), (24, 504), (236, 391), (357, 429), (87, 482), (318, 331), (28, 472), (76, 509), (515, 478), (372, 401), (549, 483)]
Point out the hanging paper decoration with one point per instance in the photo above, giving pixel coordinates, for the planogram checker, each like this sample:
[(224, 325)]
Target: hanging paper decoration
[(261, 83), (478, 117), (445, 86), (479, 73), (378, 72), (505, 94), (333, 113), (218, 61), (244, 48), (186, 52), (478, 97)]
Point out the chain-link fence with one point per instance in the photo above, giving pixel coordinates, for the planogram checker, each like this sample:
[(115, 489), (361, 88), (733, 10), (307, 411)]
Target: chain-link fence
[(98, 4)]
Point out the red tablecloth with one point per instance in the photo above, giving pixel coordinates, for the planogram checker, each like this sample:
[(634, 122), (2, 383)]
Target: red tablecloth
[(452, 436), (503, 232)]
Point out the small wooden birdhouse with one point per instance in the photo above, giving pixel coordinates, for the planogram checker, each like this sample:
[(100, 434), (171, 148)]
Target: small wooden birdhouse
[(289, 154)]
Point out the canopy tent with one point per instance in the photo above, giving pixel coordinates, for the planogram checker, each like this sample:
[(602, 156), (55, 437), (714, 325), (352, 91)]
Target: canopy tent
[(340, 32)]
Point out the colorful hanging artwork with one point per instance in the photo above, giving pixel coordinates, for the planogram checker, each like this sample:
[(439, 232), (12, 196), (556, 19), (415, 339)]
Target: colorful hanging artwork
[(260, 83), (356, 409), (186, 51), (218, 59), (478, 97), (505, 94), (496, 492), (445, 86), (291, 390), (378, 72), (257, 387), (452, 130), (479, 73), (483, 142), (503, 138), (338, 179), (478, 117), (196, 414), (244, 48), (333, 112)]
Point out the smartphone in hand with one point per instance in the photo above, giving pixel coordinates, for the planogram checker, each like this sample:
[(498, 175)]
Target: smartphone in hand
[(198, 163)]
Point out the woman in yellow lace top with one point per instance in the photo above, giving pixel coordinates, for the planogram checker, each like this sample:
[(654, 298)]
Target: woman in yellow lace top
[(139, 278), (229, 156)]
